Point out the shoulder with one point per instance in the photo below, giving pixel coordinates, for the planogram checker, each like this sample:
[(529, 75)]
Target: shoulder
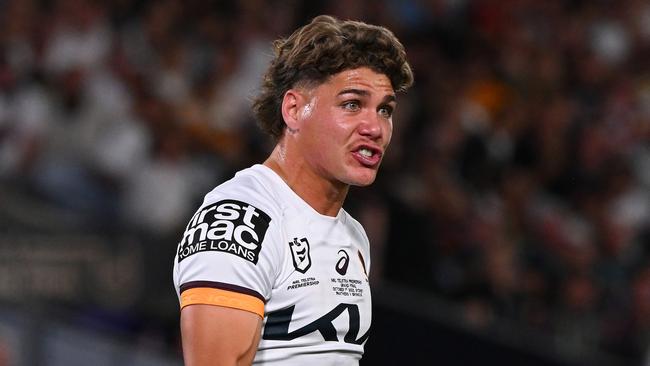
[(233, 238), (248, 188), (355, 228), (241, 210), (358, 233)]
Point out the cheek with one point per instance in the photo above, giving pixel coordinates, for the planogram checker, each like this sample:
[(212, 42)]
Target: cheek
[(389, 132), (335, 127)]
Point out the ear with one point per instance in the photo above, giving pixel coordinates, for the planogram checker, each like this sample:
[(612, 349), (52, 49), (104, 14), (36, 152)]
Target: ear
[(292, 103)]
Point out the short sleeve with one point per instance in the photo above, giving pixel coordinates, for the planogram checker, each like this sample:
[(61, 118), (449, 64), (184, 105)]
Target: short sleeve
[(228, 255)]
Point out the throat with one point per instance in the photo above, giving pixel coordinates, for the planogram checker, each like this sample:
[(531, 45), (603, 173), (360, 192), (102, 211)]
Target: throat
[(325, 196)]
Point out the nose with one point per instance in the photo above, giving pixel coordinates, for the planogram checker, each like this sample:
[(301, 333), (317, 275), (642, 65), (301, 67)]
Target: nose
[(372, 126)]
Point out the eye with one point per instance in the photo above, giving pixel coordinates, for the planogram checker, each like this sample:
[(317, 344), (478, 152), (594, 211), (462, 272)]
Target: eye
[(385, 111), (351, 105)]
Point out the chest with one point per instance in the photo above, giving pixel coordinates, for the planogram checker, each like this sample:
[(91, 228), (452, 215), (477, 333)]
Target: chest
[(324, 284), (326, 257)]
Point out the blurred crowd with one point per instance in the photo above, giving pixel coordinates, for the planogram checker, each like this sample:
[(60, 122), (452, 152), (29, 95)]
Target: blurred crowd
[(517, 184)]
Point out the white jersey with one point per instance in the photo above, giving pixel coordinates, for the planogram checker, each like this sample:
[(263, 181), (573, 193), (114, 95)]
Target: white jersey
[(256, 245)]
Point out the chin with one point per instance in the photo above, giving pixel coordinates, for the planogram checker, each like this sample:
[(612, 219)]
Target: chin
[(364, 184), (363, 180)]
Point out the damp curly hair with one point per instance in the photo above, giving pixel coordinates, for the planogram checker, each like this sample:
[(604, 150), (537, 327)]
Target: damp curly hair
[(321, 49)]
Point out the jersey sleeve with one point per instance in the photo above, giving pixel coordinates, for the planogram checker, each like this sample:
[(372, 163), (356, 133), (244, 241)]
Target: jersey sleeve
[(229, 254)]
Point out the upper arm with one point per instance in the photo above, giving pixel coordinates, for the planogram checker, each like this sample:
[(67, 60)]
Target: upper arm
[(217, 335), (224, 271)]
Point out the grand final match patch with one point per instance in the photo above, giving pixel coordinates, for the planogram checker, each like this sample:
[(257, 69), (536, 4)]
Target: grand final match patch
[(229, 226)]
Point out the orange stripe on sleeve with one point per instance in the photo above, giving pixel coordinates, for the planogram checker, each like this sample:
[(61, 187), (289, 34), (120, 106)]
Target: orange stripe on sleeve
[(230, 299)]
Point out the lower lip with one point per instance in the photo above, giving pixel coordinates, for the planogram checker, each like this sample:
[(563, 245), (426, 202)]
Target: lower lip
[(367, 161)]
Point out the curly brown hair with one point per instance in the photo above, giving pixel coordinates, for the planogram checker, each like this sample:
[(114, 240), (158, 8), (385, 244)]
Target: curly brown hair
[(321, 49)]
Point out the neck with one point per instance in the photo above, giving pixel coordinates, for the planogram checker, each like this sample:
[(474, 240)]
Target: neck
[(324, 195)]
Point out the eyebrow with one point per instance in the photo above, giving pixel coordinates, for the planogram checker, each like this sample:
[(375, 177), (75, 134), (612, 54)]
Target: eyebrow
[(364, 93)]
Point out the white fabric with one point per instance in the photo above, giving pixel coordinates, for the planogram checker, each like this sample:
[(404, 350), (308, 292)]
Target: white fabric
[(318, 291)]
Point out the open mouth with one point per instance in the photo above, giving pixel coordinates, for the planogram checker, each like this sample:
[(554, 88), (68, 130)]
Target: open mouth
[(366, 152), (368, 156)]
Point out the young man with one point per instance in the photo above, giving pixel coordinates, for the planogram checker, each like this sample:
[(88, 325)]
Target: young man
[(271, 270)]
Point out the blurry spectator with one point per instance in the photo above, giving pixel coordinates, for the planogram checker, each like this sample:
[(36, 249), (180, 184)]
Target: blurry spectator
[(79, 38), (164, 190)]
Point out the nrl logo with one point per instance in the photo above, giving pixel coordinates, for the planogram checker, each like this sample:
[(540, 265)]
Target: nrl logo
[(300, 254)]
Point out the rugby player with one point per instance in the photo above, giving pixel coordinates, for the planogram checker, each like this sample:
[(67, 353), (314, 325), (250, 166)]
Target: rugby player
[(271, 270)]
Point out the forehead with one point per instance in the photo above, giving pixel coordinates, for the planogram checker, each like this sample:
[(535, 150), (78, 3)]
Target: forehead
[(364, 78)]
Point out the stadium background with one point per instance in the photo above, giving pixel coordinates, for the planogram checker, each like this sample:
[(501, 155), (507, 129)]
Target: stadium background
[(509, 222)]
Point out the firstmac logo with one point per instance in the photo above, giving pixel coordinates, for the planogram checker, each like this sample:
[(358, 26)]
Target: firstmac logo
[(229, 226)]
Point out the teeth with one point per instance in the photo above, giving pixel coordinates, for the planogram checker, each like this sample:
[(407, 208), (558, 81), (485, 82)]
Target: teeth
[(365, 152)]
